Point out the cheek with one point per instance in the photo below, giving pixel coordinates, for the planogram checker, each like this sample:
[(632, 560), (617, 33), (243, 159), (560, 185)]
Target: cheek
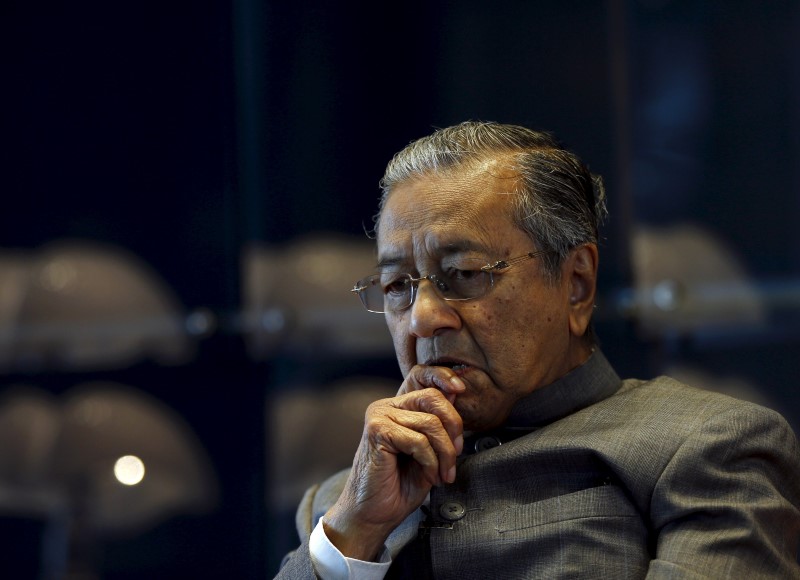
[(495, 326), (402, 345), (520, 326)]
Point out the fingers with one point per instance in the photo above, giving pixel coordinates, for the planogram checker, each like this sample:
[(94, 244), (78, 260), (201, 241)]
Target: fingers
[(435, 403), (409, 444), (441, 378), (429, 455), (422, 425)]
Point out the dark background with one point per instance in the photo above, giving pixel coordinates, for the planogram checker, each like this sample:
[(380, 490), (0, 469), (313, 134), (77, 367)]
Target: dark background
[(184, 132)]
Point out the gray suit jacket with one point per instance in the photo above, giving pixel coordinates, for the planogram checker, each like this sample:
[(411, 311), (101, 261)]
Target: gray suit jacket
[(602, 478)]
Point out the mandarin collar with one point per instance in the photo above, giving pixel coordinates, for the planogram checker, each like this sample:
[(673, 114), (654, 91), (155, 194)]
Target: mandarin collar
[(585, 385)]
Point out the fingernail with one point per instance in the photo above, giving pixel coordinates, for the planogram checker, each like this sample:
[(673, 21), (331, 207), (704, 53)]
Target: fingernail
[(459, 443), (451, 474), (458, 383)]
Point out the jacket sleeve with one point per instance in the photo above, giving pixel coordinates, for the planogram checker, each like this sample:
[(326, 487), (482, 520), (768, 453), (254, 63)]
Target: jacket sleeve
[(727, 503), (296, 565)]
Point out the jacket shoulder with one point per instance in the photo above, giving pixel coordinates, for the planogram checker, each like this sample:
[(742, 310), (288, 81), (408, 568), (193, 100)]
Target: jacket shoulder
[(317, 500)]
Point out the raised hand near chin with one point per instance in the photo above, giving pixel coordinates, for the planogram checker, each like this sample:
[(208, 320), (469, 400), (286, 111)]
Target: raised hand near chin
[(409, 444), (442, 378)]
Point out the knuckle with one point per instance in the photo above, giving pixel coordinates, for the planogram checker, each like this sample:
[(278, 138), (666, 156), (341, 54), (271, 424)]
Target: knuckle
[(373, 424), (376, 408), (431, 422), (419, 448)]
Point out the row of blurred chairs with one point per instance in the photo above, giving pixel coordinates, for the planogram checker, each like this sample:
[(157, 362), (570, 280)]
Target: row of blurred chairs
[(81, 306), (78, 306)]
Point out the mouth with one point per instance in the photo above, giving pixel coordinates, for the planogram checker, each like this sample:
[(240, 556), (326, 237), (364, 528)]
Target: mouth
[(458, 367)]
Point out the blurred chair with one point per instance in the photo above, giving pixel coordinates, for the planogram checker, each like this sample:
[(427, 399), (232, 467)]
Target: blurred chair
[(686, 281), (102, 422), (57, 466), (696, 303), (85, 306), (297, 299), (314, 432)]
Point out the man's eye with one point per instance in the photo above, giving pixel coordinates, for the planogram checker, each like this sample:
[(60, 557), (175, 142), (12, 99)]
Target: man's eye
[(464, 275), (396, 286)]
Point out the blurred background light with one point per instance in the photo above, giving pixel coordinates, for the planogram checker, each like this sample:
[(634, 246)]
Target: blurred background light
[(129, 470)]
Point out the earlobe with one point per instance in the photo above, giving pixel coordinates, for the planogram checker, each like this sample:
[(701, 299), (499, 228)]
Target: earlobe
[(582, 274)]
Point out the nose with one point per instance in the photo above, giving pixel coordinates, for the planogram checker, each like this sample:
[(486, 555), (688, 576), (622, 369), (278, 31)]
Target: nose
[(430, 313)]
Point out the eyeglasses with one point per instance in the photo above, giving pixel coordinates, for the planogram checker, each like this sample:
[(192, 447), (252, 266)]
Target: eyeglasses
[(465, 279)]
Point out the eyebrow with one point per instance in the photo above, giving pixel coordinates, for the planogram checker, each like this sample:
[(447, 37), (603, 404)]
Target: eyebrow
[(449, 249), (386, 262)]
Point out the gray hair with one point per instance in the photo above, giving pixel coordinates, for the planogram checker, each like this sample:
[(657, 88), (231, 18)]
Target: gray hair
[(559, 202)]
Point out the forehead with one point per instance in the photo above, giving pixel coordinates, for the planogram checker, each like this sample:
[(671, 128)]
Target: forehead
[(469, 209)]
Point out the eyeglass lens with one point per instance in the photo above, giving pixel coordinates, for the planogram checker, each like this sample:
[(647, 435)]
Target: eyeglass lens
[(396, 291)]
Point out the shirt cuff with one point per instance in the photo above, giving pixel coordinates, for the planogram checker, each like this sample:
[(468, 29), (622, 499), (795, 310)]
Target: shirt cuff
[(330, 564)]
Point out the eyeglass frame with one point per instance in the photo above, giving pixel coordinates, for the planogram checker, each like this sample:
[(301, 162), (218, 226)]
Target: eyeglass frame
[(490, 268)]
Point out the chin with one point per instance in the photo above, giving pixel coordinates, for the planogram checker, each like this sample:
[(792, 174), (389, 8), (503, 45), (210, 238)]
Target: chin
[(474, 421), (473, 410)]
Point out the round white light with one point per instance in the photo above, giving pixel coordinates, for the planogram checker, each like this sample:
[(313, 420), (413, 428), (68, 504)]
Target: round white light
[(129, 470)]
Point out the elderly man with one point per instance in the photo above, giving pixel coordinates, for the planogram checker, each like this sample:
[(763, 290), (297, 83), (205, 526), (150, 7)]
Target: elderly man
[(512, 448)]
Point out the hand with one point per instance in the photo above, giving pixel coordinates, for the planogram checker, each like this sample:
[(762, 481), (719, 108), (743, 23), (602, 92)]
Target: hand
[(409, 444)]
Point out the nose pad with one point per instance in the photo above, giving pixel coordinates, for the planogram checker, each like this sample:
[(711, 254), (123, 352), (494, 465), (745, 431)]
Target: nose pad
[(430, 312), (440, 285), (434, 287)]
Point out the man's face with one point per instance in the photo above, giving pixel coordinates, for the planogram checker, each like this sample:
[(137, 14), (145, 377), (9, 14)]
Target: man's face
[(514, 339)]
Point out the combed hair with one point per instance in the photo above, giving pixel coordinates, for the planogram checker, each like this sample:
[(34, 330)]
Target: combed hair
[(558, 201)]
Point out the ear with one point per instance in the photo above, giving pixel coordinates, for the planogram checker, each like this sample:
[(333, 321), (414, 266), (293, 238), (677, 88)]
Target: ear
[(581, 275)]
